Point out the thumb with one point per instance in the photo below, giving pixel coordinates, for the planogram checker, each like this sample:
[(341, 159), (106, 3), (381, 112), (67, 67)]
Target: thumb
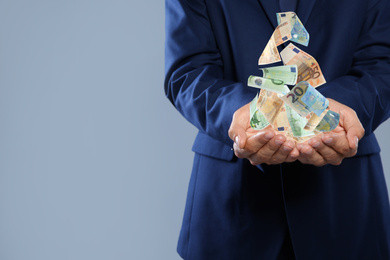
[(353, 137), (354, 128), (240, 122), (240, 138)]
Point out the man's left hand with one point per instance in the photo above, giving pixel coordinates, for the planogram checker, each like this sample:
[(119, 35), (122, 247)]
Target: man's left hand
[(332, 147)]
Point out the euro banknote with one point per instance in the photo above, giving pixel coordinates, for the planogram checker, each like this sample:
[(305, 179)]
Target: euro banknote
[(281, 123), (302, 112), (308, 68), (270, 53), (282, 33), (286, 74), (303, 98), (329, 122), (298, 32), (314, 120), (297, 123), (270, 104), (268, 84), (257, 119)]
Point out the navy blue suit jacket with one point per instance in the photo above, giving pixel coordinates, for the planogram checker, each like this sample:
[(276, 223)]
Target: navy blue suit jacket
[(238, 211)]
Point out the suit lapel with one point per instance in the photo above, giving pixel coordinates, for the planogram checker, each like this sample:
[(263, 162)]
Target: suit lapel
[(304, 9), (270, 7)]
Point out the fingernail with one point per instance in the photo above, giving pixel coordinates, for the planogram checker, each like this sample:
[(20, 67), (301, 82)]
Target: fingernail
[(268, 136), (237, 141), (287, 148), (278, 142), (356, 141), (308, 151)]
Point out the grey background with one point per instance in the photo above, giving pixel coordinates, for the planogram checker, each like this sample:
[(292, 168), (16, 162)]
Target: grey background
[(94, 160)]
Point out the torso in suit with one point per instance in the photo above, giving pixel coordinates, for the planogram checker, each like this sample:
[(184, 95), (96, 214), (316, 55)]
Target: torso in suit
[(238, 211)]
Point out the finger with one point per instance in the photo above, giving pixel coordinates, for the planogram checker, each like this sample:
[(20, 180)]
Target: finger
[(283, 153), (260, 139), (301, 157), (253, 144), (328, 153), (310, 155), (240, 138), (338, 143), (293, 155), (266, 152), (353, 137), (239, 152), (353, 127), (239, 125)]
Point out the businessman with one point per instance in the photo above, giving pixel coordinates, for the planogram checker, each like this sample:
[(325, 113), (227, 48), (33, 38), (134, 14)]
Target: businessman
[(269, 197)]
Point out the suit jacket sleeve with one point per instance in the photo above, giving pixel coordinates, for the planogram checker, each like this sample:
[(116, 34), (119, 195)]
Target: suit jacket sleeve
[(195, 82), (366, 87)]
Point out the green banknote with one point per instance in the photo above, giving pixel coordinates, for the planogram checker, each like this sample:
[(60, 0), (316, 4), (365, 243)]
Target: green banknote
[(257, 119), (287, 74), (297, 123), (274, 85)]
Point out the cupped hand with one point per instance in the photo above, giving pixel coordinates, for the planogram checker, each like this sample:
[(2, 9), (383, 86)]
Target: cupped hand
[(259, 146), (332, 147)]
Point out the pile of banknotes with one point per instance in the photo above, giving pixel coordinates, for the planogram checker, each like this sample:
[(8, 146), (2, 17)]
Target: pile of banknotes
[(299, 113)]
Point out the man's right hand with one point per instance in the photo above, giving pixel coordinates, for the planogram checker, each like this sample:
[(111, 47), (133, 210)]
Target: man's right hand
[(259, 146)]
